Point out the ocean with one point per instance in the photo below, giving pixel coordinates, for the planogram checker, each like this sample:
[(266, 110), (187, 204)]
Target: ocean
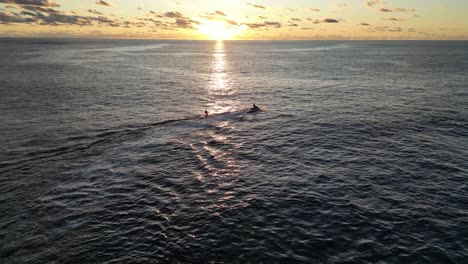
[(358, 155)]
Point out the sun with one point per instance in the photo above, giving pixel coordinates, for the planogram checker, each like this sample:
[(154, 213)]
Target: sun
[(216, 30)]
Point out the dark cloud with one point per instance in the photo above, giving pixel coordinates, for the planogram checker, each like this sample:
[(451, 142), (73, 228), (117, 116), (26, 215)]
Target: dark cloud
[(307, 28), (31, 2), (314, 9), (43, 15), (172, 15), (326, 20), (293, 25), (296, 19), (265, 24), (58, 19), (396, 10), (272, 24), (365, 24), (373, 3), (330, 20), (7, 18), (256, 6), (385, 10), (94, 11), (182, 23), (52, 17), (103, 3), (47, 10), (393, 19)]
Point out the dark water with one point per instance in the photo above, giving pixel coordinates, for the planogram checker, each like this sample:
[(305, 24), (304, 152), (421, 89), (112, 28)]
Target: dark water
[(359, 155)]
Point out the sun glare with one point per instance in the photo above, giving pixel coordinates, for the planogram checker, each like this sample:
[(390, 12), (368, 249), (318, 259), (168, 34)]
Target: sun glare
[(216, 30)]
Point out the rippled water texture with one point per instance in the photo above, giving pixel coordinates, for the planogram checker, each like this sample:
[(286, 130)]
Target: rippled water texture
[(358, 156)]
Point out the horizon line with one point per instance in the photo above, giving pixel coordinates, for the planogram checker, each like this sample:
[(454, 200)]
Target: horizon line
[(187, 39)]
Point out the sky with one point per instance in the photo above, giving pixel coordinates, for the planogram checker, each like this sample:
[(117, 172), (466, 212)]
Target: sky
[(236, 19)]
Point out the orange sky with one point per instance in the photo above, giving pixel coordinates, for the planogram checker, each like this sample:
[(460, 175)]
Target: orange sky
[(233, 19)]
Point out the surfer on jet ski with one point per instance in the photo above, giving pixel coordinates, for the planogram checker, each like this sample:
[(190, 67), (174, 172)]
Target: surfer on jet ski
[(254, 109)]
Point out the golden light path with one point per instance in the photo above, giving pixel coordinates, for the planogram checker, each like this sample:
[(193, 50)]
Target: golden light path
[(220, 88)]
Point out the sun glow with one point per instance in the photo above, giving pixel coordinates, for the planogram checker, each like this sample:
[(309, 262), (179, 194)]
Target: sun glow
[(216, 30)]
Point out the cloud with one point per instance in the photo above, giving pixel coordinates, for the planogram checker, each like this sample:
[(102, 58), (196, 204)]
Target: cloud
[(94, 11), (48, 16), (7, 17), (52, 17), (103, 3), (256, 6), (231, 22), (385, 10), (219, 18), (396, 10), (46, 3), (330, 20), (388, 29), (365, 24), (295, 19), (217, 13), (396, 29), (265, 24), (403, 10), (393, 19), (172, 15), (313, 9), (47, 10), (220, 13), (373, 3), (326, 20), (180, 22), (183, 23)]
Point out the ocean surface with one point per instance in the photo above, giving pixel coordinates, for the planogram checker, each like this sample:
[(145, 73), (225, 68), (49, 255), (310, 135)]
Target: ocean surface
[(359, 155)]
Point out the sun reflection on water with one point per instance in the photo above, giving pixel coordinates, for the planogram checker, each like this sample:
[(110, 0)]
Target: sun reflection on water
[(220, 170), (220, 88)]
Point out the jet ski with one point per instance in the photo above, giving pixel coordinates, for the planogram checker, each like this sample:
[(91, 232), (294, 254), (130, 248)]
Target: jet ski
[(254, 109)]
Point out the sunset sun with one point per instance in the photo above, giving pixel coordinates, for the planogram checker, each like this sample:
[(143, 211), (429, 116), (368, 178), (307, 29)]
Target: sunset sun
[(216, 30)]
